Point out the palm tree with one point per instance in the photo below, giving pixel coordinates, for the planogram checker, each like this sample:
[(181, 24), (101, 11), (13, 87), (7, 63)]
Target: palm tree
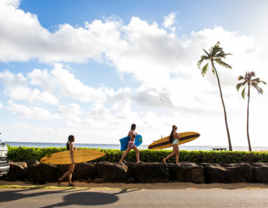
[(215, 55), (248, 81)]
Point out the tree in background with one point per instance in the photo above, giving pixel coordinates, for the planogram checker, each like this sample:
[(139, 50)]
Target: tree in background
[(215, 55), (249, 82)]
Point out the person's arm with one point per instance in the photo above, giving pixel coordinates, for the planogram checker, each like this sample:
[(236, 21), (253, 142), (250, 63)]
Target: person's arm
[(178, 136), (131, 136), (71, 146)]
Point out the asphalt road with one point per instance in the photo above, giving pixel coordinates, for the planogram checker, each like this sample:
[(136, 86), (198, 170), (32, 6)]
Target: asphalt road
[(135, 198)]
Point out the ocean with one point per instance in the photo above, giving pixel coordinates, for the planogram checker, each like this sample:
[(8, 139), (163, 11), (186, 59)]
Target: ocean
[(117, 146)]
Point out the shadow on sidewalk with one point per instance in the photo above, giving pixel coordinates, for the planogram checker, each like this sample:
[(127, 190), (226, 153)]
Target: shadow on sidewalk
[(77, 197), (89, 199)]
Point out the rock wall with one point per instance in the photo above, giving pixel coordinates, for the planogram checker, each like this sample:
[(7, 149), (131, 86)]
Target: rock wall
[(101, 172)]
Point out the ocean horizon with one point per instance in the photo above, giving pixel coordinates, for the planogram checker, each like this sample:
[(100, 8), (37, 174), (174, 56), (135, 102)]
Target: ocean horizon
[(117, 146)]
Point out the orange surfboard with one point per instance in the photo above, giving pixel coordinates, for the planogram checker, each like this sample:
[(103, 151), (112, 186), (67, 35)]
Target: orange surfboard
[(164, 142), (63, 158)]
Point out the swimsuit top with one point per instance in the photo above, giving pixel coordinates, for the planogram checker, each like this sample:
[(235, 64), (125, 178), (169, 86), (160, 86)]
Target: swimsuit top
[(174, 137), (74, 148)]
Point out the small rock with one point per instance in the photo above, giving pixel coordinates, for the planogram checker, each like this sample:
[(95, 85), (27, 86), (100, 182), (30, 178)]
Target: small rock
[(81, 171), (89, 180), (42, 172), (131, 180), (31, 162), (260, 174), (187, 172), (98, 180), (228, 173), (152, 172), (17, 171), (112, 172)]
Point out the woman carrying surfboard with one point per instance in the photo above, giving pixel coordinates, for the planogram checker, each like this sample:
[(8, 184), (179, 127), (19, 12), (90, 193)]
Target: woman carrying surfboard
[(132, 134), (70, 146), (174, 139)]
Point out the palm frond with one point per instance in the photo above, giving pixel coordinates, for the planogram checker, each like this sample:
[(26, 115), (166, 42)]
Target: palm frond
[(260, 91), (225, 54), (213, 71), (263, 82), (252, 74), (256, 80), (220, 62), (202, 58), (204, 70), (255, 85), (217, 44), (206, 52), (240, 78), (243, 93), (239, 85)]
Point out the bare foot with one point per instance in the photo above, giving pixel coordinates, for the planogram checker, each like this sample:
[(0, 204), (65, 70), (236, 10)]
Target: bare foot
[(140, 162), (164, 161), (59, 181), (121, 163)]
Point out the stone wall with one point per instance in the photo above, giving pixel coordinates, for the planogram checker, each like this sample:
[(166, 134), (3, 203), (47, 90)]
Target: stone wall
[(100, 172)]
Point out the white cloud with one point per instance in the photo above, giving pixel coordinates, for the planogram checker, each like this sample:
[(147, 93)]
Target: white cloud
[(169, 20), (71, 112), (1, 106), (42, 78), (58, 82), (10, 79), (30, 112), (16, 88), (27, 94), (71, 109)]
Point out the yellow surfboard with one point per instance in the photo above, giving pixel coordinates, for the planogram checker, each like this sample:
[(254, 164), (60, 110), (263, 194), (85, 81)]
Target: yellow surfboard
[(63, 158), (164, 142)]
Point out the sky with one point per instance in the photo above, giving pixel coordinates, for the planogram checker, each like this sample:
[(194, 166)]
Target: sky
[(92, 68)]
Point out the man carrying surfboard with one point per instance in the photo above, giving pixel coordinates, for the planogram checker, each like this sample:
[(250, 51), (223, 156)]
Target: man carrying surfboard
[(174, 139), (70, 146), (132, 134)]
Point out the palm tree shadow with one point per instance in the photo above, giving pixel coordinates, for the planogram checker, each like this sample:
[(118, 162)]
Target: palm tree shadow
[(89, 199)]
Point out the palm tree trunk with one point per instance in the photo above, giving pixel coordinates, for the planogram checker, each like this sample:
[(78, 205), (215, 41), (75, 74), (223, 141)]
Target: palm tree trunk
[(225, 116), (249, 145)]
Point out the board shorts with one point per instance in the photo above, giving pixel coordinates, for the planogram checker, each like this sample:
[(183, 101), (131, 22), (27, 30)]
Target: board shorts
[(131, 144), (175, 141)]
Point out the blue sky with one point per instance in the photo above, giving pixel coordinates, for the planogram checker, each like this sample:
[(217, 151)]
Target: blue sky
[(91, 68)]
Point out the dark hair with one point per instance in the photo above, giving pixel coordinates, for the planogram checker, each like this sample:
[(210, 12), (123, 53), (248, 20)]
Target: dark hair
[(171, 134), (70, 139), (133, 126)]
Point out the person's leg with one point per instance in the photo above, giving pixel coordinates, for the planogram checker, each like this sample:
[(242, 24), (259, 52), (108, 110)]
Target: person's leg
[(64, 176), (71, 169), (177, 154), (124, 155), (170, 155), (137, 154)]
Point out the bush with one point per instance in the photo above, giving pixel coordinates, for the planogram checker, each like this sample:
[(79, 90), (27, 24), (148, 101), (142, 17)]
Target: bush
[(23, 153)]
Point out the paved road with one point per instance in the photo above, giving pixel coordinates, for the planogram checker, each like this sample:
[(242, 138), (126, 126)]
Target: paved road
[(135, 198)]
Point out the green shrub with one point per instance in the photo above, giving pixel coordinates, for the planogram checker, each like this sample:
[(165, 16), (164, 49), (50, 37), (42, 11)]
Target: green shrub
[(112, 155)]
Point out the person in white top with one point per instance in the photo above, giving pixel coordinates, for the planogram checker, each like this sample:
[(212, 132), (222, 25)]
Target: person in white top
[(174, 138)]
